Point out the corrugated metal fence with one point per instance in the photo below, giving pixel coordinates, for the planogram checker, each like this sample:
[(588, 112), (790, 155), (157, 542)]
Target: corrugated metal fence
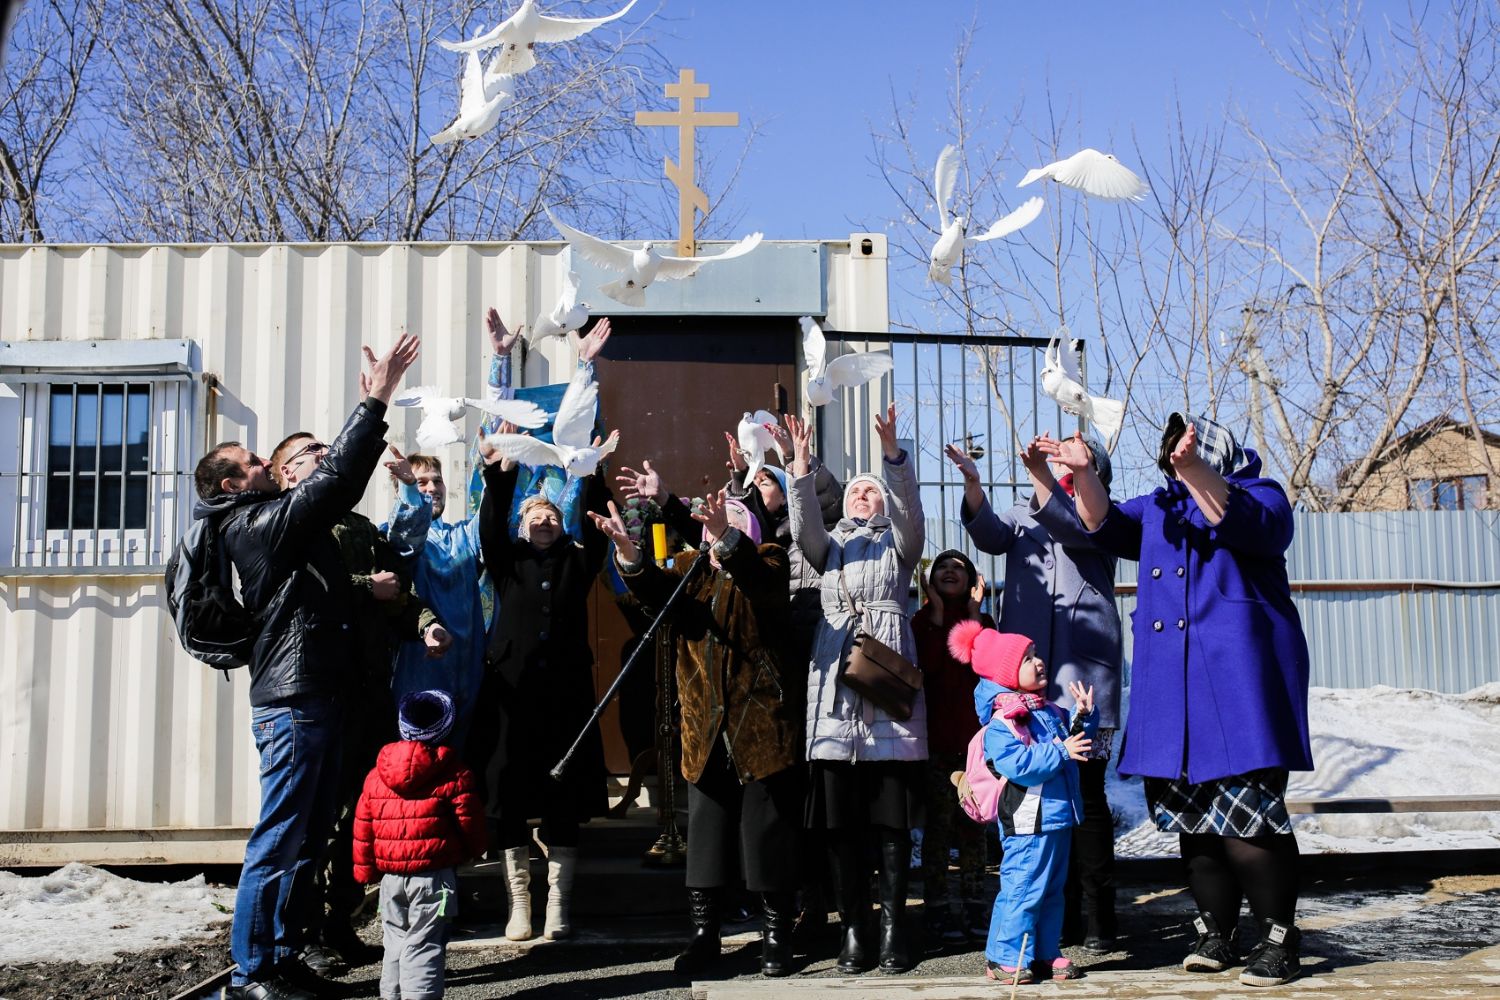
[(1406, 598)]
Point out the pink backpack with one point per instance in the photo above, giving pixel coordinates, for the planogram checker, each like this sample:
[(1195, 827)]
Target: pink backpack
[(979, 788)]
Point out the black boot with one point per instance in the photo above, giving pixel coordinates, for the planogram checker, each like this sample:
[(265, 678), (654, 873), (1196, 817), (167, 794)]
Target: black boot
[(1215, 950), (1276, 959), (895, 868), (702, 949), (850, 883), (779, 911)]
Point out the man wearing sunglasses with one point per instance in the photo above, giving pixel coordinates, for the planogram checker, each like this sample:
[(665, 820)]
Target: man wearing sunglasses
[(293, 581), (386, 612)]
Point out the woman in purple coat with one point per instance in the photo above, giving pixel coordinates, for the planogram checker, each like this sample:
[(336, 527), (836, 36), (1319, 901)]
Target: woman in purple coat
[(1218, 697)]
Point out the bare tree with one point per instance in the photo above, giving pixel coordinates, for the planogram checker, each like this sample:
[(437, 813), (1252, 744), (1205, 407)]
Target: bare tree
[(44, 79), (234, 120), (1381, 226)]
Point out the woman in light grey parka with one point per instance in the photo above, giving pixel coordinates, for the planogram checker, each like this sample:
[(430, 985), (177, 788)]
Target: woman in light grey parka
[(865, 766)]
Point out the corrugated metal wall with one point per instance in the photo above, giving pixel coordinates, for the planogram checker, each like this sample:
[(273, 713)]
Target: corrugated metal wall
[(1405, 599), (113, 744)]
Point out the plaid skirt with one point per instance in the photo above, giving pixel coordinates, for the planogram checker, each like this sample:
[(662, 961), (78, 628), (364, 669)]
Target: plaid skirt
[(1252, 804)]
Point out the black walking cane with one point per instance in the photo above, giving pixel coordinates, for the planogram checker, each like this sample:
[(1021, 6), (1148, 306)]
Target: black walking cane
[(648, 638)]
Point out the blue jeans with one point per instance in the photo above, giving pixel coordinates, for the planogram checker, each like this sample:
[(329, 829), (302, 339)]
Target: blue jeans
[(1033, 871), (299, 769)]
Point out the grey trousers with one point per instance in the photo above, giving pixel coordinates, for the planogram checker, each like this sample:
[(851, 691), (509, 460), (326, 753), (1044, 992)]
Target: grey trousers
[(414, 912)]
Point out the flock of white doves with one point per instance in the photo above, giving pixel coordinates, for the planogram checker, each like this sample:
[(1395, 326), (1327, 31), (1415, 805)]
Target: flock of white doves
[(488, 90)]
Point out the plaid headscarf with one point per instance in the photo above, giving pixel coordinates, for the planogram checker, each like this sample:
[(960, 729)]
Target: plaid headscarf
[(1216, 444)]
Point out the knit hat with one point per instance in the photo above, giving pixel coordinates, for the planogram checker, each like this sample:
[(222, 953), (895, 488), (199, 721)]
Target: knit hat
[(995, 656), (777, 474), (749, 524), (865, 477), (425, 716), (956, 554)]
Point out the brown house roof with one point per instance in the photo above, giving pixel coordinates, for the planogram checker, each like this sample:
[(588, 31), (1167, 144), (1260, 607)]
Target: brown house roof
[(1416, 437)]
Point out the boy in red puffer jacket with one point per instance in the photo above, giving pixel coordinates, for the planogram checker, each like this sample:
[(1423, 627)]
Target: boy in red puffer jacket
[(418, 816)]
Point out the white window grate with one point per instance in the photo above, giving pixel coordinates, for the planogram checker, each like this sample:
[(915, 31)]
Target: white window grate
[(95, 470)]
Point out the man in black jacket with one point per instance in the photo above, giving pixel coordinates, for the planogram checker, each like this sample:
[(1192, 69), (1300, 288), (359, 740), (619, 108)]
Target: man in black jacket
[(293, 581)]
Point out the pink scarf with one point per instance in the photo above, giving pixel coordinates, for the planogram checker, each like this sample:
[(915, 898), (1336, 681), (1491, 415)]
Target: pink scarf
[(1018, 705)]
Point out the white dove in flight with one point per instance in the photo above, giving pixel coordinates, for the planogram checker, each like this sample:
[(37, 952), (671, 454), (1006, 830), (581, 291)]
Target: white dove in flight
[(952, 242), (439, 411), (755, 441), (518, 34), (572, 446), (484, 96), (1062, 381), (566, 316), (1097, 174), (825, 377), (642, 266)]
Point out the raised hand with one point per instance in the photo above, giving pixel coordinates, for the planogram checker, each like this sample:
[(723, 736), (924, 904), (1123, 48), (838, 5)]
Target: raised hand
[(782, 438), (885, 429), (801, 434), (713, 515), (491, 454), (736, 461), (965, 464), (613, 527), (1034, 457), (1083, 697), (590, 345), (386, 371), (401, 468), (976, 596), (501, 339), (1078, 746), (1071, 453), (1185, 455), (645, 484), (364, 384), (934, 599)]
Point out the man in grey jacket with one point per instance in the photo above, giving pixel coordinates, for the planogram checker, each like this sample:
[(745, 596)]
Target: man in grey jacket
[(1059, 592)]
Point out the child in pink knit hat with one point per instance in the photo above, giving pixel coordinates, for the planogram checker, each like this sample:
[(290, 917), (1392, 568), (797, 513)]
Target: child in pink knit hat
[(1030, 743)]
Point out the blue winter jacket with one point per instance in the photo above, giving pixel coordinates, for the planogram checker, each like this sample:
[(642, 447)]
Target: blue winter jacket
[(1219, 670), (1041, 782)]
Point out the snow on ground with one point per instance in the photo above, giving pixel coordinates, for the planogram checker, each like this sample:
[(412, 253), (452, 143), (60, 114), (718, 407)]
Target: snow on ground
[(84, 914), (1368, 743)]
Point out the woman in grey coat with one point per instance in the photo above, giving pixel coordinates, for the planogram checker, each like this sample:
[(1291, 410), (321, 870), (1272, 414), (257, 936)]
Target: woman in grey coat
[(1060, 593), (865, 766)]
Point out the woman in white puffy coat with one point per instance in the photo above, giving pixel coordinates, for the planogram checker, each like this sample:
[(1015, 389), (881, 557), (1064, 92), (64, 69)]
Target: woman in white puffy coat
[(865, 766)]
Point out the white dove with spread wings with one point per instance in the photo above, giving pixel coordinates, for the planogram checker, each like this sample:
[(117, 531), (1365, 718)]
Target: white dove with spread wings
[(640, 267), (566, 316), (952, 242), (439, 411), (824, 377), (1062, 381), (572, 446), (1097, 174), (518, 34), (484, 96), (755, 440)]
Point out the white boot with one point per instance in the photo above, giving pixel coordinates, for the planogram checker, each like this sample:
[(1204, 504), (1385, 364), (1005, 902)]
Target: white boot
[(518, 880), (561, 862)]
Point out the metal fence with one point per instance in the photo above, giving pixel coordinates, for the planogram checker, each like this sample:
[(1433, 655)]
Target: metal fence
[(1405, 599)]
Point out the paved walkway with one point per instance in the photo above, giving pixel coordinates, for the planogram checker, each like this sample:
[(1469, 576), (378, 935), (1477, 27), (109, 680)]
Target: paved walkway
[(1395, 935)]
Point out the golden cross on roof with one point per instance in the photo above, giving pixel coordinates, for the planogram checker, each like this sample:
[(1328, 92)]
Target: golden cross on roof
[(687, 117)]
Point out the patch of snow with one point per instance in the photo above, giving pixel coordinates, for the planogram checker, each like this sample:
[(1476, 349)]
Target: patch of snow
[(1371, 743), (84, 914)]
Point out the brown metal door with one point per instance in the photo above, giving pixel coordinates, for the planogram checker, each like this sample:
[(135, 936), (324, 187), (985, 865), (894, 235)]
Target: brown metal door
[(673, 386)]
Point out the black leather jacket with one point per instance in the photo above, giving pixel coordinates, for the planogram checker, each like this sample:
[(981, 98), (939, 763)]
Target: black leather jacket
[(291, 574)]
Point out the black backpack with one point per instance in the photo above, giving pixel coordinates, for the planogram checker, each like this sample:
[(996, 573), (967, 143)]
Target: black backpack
[(212, 624)]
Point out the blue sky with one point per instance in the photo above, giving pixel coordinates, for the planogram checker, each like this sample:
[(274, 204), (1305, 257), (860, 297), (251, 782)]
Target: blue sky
[(818, 74)]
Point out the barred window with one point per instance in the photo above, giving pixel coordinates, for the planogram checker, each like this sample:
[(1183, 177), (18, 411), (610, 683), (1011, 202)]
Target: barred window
[(95, 464)]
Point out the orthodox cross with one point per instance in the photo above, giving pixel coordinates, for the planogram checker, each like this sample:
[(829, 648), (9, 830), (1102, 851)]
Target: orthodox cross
[(687, 117)]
